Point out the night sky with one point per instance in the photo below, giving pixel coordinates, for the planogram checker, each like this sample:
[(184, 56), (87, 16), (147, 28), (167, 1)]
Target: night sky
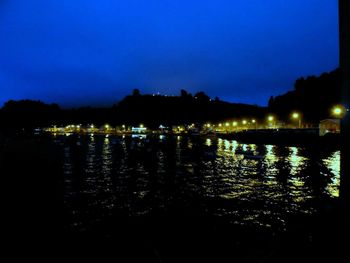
[(89, 52)]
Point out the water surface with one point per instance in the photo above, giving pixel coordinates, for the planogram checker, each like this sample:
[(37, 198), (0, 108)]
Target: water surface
[(261, 186)]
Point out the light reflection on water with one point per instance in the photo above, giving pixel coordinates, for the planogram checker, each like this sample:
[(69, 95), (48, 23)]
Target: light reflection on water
[(332, 164), (208, 142), (246, 184), (296, 161)]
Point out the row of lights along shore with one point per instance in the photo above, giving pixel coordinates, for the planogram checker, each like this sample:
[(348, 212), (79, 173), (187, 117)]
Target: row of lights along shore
[(338, 112)]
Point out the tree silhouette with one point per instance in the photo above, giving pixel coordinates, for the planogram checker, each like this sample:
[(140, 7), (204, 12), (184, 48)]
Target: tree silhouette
[(136, 92), (313, 96)]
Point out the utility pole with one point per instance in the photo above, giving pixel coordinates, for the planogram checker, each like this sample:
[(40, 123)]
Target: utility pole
[(344, 60)]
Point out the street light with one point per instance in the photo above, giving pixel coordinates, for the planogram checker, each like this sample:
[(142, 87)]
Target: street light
[(227, 124), (296, 116), (338, 111), (255, 124), (271, 120)]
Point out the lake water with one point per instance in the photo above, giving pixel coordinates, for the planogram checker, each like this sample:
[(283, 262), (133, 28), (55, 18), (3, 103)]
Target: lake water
[(241, 184)]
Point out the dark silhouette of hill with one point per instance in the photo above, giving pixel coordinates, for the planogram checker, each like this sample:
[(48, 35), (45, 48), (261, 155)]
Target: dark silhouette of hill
[(312, 96), (28, 114), (186, 108), (88, 115), (151, 110)]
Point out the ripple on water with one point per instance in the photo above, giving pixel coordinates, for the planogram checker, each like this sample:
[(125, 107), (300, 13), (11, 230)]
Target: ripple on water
[(221, 178)]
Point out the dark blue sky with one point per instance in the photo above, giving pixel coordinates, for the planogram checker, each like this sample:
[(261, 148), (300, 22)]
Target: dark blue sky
[(80, 52)]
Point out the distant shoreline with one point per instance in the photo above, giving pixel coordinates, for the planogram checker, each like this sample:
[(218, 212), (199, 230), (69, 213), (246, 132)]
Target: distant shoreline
[(273, 137)]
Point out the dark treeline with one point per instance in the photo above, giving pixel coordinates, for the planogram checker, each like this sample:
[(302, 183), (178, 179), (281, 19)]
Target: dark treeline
[(312, 96), (31, 114), (28, 114), (151, 110), (184, 109)]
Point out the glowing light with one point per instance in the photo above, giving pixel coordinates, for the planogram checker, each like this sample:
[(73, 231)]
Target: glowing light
[(270, 118), (208, 125), (253, 121), (234, 146), (220, 141), (208, 142), (141, 126), (234, 123), (106, 126), (333, 164), (227, 124), (270, 157), (244, 122), (339, 111), (296, 161), (220, 124), (252, 147), (295, 115)]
